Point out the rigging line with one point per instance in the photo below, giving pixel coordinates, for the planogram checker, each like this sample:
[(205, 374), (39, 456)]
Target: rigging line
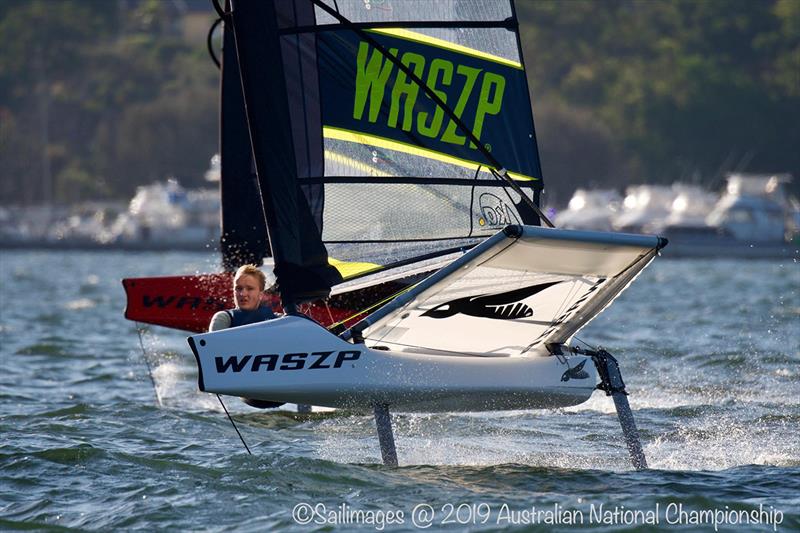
[(602, 292), (555, 325), (472, 200), (218, 8), (370, 308), (328, 309), (502, 173), (139, 329), (233, 424), (210, 44), (568, 298), (585, 343), (499, 169), (556, 313)]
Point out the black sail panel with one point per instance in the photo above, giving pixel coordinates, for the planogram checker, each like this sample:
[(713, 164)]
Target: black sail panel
[(244, 233), (301, 261), (389, 110)]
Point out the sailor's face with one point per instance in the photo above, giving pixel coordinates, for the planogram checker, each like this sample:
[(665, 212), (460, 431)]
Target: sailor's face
[(247, 292)]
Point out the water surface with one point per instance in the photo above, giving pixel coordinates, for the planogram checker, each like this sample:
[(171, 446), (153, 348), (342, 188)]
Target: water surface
[(710, 351)]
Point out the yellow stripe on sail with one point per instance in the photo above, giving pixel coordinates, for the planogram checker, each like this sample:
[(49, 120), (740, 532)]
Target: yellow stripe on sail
[(447, 45), (349, 269), (340, 134)]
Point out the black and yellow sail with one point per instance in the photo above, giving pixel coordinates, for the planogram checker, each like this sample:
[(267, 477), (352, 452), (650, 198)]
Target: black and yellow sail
[(384, 130)]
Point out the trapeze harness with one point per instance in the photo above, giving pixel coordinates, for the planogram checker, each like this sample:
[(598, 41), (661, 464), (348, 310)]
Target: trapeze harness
[(241, 317)]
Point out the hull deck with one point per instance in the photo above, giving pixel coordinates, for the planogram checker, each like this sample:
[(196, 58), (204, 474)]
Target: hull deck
[(304, 363)]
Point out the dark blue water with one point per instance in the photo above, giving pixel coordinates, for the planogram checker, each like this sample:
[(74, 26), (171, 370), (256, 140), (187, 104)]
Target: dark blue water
[(710, 351)]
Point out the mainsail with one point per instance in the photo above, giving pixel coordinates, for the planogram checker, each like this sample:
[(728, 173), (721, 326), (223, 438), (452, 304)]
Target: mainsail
[(383, 131)]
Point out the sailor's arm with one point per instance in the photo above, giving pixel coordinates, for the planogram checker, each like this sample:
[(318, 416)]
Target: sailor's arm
[(220, 320)]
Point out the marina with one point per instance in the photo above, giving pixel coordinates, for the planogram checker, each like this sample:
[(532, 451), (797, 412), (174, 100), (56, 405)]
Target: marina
[(754, 217), (161, 216)]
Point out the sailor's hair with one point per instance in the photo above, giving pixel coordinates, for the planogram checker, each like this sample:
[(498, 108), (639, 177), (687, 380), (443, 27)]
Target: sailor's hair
[(251, 270)]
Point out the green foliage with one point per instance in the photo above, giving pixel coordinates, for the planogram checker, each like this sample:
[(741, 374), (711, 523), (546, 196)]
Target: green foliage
[(685, 87), (99, 96), (80, 80)]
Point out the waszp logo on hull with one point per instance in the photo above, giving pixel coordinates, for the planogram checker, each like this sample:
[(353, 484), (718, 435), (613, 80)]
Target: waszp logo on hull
[(290, 361)]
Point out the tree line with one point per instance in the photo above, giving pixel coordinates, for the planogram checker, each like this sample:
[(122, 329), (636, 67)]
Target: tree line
[(98, 97), (655, 91)]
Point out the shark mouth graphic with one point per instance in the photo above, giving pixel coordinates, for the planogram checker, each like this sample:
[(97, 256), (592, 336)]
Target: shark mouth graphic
[(576, 372), (502, 306)]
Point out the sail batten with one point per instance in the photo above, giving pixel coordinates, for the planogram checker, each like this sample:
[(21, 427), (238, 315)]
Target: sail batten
[(364, 139)]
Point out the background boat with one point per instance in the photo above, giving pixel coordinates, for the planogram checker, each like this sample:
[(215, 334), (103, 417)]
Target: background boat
[(590, 209), (164, 215), (160, 216), (754, 217)]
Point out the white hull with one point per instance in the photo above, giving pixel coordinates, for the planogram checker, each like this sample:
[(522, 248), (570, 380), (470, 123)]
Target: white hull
[(293, 359)]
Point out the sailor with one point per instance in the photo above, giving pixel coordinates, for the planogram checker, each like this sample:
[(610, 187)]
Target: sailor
[(250, 294)]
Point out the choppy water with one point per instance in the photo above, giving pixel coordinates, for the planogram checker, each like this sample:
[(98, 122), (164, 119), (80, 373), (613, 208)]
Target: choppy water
[(710, 351)]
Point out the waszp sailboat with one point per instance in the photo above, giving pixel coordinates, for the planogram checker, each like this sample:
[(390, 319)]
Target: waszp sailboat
[(378, 132)]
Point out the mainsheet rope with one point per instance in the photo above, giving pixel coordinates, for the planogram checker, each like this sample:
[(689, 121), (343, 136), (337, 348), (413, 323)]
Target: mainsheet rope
[(370, 308)]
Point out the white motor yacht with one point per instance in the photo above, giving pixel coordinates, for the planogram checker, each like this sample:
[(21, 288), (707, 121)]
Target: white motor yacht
[(165, 215), (644, 207), (590, 210), (755, 218)]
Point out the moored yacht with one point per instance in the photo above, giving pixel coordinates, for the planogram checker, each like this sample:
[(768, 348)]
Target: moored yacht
[(754, 218), (590, 209)]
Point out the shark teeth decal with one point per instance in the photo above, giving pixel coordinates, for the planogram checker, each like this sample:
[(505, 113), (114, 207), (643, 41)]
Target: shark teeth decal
[(576, 372), (503, 306)]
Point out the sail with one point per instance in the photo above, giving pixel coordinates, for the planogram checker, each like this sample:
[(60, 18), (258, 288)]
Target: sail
[(384, 131), (517, 292), (244, 233)]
